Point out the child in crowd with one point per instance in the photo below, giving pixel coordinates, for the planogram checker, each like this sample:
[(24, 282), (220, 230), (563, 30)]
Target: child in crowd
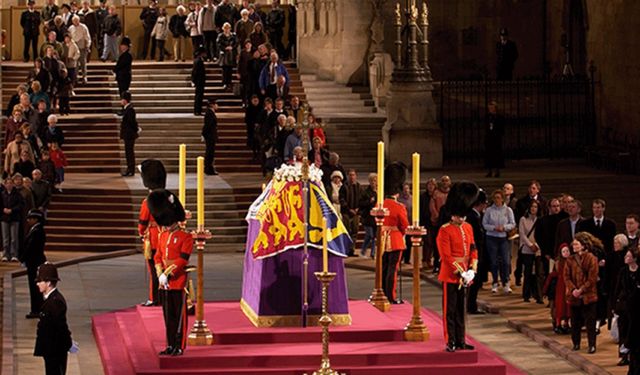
[(47, 167), (59, 161), (554, 289)]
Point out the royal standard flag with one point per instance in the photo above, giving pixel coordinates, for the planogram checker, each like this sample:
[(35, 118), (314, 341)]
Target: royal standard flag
[(276, 220)]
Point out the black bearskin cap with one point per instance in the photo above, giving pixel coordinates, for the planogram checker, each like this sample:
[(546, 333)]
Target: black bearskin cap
[(165, 207), (153, 174), (394, 176), (461, 198)]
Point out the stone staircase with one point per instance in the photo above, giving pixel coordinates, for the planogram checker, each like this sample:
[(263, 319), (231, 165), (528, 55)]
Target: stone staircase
[(353, 124)]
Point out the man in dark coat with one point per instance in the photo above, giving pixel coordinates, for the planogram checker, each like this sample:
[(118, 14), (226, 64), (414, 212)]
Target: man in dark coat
[(30, 22), (53, 339), (507, 53), (149, 16), (33, 256), (567, 228), (474, 218), (275, 27), (210, 137), (493, 133), (123, 66), (199, 79), (129, 132)]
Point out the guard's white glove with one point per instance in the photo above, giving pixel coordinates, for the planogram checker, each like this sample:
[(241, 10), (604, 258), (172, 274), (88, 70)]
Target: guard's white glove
[(201, 138), (164, 281), (193, 84), (468, 276)]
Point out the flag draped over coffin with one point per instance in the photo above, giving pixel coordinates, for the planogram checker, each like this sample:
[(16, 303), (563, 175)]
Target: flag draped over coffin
[(276, 220)]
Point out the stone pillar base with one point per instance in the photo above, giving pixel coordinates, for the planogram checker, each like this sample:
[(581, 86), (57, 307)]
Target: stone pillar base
[(411, 125)]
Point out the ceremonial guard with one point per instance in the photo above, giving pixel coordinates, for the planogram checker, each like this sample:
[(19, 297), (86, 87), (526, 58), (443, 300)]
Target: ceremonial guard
[(33, 256), (210, 137), (154, 176), (53, 338), (123, 66), (393, 229), (174, 249), (459, 262)]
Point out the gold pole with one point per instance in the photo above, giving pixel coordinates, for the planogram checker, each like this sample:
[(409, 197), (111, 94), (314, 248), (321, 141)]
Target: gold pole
[(200, 333), (416, 330), (378, 298), (325, 320)]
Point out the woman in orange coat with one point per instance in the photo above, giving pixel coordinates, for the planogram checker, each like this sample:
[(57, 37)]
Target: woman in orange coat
[(581, 278)]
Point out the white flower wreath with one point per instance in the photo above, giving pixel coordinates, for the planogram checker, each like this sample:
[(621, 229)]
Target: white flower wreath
[(294, 173)]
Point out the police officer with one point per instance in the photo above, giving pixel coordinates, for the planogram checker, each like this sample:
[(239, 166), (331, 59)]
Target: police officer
[(53, 338), (123, 66), (154, 176), (199, 79), (33, 256), (30, 22), (210, 137), (458, 262), (174, 249)]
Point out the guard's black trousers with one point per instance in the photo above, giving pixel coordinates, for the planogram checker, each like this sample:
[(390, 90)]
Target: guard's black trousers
[(390, 262), (209, 157), (174, 309), (197, 101), (55, 365), (453, 313), (34, 292), (130, 154), (153, 279)]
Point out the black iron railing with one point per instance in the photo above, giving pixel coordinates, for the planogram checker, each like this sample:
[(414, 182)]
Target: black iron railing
[(543, 118)]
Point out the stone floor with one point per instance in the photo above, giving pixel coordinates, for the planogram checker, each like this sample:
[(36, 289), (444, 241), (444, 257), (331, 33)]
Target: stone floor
[(95, 287)]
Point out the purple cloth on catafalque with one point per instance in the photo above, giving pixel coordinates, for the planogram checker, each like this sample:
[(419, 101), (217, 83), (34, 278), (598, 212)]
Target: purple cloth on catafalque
[(273, 286)]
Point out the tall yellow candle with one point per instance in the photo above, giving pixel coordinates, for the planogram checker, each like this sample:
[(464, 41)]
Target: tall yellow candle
[(182, 175), (380, 172), (325, 249), (200, 199), (415, 207)]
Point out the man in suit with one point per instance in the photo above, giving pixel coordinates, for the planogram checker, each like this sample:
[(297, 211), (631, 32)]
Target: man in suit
[(545, 233), (33, 256), (199, 79), (282, 89), (53, 338), (129, 132), (631, 229), (598, 225), (123, 66), (210, 137), (30, 22), (507, 52), (351, 216), (567, 228), (269, 75), (275, 26), (474, 218)]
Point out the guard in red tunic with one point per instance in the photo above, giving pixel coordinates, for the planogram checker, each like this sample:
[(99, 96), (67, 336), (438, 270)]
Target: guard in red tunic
[(154, 176), (459, 262), (174, 249), (393, 229)]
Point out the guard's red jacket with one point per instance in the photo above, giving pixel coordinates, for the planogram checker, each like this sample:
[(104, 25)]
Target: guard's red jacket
[(457, 251), (145, 220), (174, 248), (395, 224)]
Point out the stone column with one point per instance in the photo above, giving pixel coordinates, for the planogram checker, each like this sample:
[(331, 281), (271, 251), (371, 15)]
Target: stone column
[(332, 14), (324, 24), (411, 112)]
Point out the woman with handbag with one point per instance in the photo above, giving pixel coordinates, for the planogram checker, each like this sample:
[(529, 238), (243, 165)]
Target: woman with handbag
[(530, 251), (498, 220), (227, 45), (581, 277)]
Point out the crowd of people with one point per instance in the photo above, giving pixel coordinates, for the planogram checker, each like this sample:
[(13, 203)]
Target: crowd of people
[(586, 267)]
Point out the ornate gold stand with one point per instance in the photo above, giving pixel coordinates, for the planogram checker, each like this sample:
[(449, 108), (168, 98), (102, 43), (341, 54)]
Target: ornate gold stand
[(200, 334), (325, 320), (416, 330), (378, 298)]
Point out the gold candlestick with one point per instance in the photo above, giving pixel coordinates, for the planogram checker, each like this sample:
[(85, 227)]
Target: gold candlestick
[(416, 330), (378, 298), (200, 334), (325, 320)]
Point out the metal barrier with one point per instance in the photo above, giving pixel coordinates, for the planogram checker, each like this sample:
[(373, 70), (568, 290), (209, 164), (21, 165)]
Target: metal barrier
[(552, 118)]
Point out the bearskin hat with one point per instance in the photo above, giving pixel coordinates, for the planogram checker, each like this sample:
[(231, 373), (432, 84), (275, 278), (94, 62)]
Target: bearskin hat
[(394, 176), (461, 198), (165, 207), (153, 174)]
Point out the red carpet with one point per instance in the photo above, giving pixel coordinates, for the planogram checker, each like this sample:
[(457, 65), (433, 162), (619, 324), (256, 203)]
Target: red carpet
[(129, 341)]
